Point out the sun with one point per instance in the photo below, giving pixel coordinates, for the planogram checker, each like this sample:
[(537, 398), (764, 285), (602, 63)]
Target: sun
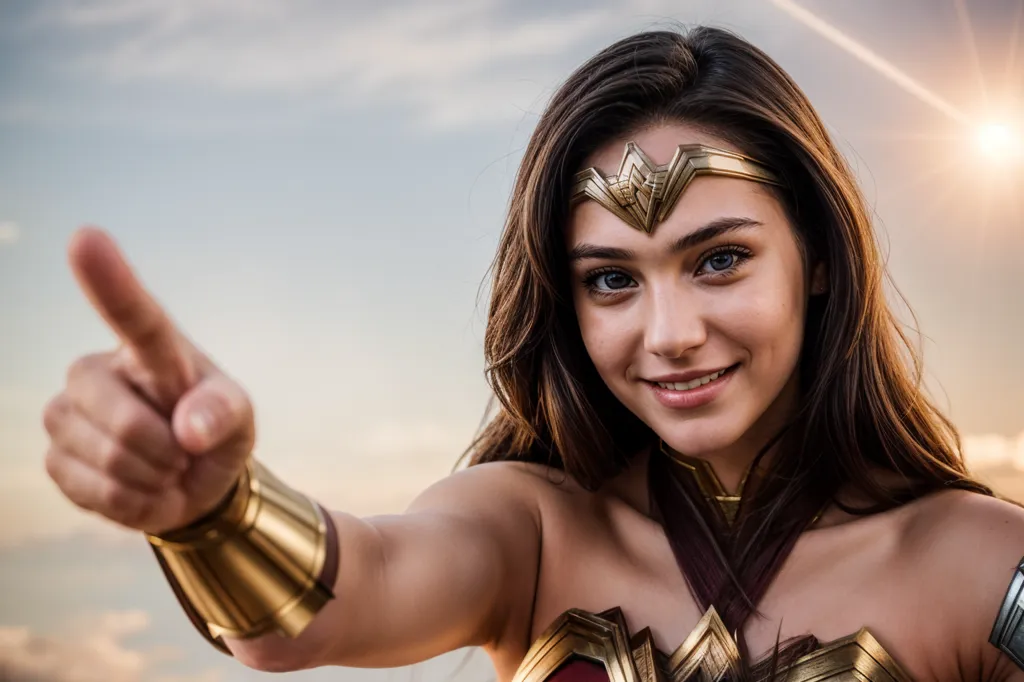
[(1000, 142)]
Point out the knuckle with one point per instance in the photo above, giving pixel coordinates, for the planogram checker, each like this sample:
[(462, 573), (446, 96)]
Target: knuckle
[(54, 412), (123, 360), (56, 469), (81, 367), (127, 421), (113, 457), (52, 463), (117, 500), (85, 367)]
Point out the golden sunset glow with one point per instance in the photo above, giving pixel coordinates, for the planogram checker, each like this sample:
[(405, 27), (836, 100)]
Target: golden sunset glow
[(988, 193), (871, 59), (1000, 142)]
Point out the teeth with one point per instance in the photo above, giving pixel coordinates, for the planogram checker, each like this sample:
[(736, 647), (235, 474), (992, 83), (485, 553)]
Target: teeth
[(688, 385)]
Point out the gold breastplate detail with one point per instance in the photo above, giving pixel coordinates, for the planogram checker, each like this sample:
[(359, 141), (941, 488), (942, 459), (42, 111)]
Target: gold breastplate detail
[(706, 655)]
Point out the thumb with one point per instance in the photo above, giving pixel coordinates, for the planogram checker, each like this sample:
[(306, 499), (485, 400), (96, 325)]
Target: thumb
[(215, 414)]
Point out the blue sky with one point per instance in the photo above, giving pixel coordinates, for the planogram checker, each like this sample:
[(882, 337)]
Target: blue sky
[(315, 189)]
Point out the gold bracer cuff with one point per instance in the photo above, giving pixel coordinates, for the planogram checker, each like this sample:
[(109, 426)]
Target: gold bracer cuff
[(264, 561)]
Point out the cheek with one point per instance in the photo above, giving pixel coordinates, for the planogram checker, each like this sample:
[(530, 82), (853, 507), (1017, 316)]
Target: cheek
[(606, 337), (767, 320)]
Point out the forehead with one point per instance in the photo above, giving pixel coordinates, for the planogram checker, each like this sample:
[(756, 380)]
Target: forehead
[(706, 199), (659, 143)]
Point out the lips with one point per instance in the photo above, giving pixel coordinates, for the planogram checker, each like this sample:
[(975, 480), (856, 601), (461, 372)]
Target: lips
[(682, 381), (687, 385), (698, 391)]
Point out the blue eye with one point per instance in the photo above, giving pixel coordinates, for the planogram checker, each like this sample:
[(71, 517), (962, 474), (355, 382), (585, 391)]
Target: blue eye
[(607, 281), (613, 280), (722, 261)]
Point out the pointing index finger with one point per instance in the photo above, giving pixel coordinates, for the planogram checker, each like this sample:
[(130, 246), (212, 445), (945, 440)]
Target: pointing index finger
[(130, 311)]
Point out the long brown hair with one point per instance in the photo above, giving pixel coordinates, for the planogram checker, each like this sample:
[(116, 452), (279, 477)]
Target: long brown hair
[(863, 408)]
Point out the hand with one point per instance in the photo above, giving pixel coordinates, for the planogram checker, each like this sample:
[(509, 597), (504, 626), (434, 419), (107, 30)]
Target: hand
[(151, 435)]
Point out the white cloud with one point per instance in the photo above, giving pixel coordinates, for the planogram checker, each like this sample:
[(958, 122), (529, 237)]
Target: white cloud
[(442, 64), (444, 60), (94, 651), (9, 232), (447, 62), (991, 450)]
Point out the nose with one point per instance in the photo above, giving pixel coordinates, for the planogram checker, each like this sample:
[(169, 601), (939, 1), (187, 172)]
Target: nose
[(675, 323)]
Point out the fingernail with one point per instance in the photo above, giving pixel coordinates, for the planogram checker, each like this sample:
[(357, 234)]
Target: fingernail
[(201, 422)]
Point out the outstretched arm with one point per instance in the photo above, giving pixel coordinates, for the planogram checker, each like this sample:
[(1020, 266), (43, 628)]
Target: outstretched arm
[(155, 437), (457, 569)]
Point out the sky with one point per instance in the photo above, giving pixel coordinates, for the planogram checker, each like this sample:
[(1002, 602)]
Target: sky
[(315, 190)]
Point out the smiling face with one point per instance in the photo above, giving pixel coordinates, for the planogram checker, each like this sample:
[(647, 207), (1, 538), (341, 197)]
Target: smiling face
[(697, 327)]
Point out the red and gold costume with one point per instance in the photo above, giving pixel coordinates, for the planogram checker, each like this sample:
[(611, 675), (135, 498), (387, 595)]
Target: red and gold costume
[(587, 647)]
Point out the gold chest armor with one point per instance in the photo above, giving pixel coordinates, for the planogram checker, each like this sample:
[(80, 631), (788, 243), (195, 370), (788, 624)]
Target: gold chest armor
[(706, 655)]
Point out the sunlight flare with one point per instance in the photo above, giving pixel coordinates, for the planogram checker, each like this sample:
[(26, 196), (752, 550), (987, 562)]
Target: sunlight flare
[(1000, 142), (871, 59)]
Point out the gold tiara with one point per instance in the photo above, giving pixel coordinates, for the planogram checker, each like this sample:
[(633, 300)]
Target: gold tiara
[(643, 194)]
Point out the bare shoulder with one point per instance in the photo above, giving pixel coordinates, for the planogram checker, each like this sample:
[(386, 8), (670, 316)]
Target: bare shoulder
[(964, 527), (500, 486), (969, 546)]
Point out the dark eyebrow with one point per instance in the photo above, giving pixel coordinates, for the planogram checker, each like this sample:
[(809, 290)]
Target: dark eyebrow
[(715, 228)]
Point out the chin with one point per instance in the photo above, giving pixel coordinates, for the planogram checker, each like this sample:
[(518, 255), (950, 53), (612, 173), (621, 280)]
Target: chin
[(701, 436)]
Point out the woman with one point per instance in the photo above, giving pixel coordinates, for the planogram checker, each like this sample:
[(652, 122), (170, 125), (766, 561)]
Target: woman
[(707, 429)]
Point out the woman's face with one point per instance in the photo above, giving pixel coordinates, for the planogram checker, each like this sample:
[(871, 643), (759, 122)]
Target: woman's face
[(697, 327)]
